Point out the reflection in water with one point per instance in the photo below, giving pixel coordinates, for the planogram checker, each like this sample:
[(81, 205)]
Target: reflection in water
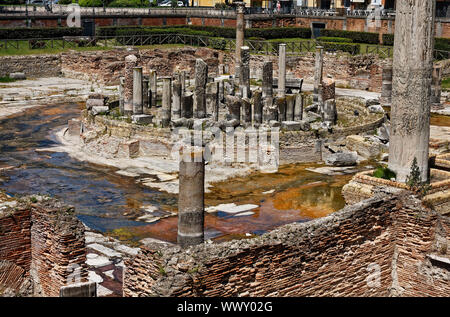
[(109, 202)]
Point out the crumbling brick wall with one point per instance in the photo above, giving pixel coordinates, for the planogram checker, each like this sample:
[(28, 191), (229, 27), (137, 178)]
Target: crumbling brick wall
[(373, 248), (44, 241), (325, 257), (58, 247), (15, 237)]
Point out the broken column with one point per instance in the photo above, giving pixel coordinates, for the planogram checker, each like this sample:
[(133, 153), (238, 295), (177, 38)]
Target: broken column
[(318, 69), (267, 80), (328, 90), (153, 83), (290, 105), (240, 26), (386, 86), (298, 108), (257, 106), (234, 107), (130, 63), (201, 78), (186, 105), (137, 91), (329, 114), (145, 99), (282, 70), (191, 200), (166, 102), (436, 87), (176, 99), (411, 87), (244, 79), (121, 96), (212, 99)]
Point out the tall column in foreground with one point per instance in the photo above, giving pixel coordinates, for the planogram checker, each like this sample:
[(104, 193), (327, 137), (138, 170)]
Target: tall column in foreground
[(411, 87), (191, 210)]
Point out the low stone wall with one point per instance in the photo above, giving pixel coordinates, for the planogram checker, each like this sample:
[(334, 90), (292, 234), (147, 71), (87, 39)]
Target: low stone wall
[(362, 250), (32, 65), (46, 240)]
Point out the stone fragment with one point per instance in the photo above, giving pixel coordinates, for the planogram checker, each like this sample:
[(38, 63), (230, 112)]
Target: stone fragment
[(99, 110), (142, 119), (342, 159), (17, 76)]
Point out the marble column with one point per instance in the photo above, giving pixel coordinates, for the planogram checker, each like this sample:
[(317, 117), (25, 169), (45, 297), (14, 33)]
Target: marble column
[(186, 105), (145, 95), (240, 28), (318, 69), (153, 82), (267, 80), (166, 102), (244, 79), (137, 91), (411, 87), (257, 107), (130, 63), (176, 99), (121, 95), (436, 87), (201, 78), (191, 210), (298, 110), (386, 86), (282, 70)]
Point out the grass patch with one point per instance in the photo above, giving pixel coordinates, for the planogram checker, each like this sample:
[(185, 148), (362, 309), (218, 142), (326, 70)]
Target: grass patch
[(445, 83), (6, 79), (384, 173)]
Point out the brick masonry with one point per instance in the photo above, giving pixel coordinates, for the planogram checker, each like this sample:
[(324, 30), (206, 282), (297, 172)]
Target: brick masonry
[(46, 241), (338, 255), (31, 65)]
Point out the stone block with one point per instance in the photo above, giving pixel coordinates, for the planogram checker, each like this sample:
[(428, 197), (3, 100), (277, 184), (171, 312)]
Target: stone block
[(99, 109), (290, 125), (130, 148), (74, 127), (94, 103), (365, 146), (87, 289), (342, 159), (142, 119), (17, 76)]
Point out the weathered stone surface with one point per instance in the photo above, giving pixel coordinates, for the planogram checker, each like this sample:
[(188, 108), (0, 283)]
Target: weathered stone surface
[(191, 207), (376, 109), (386, 86), (234, 107), (282, 70), (187, 105), (298, 107), (201, 77), (17, 76), (166, 102), (99, 110), (290, 125), (142, 119), (411, 87), (330, 112), (267, 79), (365, 147), (257, 106), (137, 91), (74, 127), (130, 148), (130, 63), (290, 105), (318, 70), (328, 89), (94, 103), (341, 159), (176, 99)]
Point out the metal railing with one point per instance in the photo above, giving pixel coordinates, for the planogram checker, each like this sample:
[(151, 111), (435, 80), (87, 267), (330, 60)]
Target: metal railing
[(256, 47)]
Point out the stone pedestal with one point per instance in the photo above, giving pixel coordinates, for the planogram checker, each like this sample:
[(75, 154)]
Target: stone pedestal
[(191, 202), (137, 91), (411, 87), (201, 78), (318, 69), (282, 70), (166, 102)]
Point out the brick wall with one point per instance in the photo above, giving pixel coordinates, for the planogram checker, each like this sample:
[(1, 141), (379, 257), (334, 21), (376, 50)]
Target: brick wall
[(31, 65), (15, 238), (337, 255), (43, 241)]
